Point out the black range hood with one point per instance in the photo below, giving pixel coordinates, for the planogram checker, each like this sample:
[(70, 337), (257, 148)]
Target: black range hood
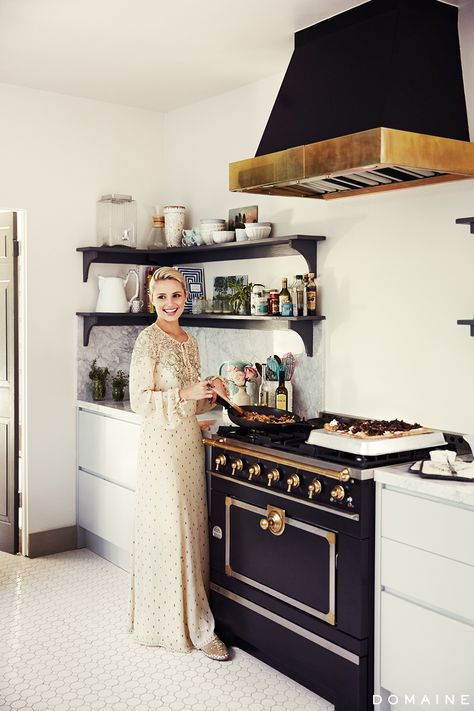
[(372, 99)]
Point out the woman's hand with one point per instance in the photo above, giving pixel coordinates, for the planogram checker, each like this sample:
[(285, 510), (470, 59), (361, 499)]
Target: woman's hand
[(219, 387), (197, 391)]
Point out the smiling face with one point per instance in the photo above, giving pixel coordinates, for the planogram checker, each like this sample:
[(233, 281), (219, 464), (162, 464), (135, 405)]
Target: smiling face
[(168, 299)]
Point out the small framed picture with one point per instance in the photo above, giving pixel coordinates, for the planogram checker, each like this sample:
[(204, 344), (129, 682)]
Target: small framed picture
[(224, 285), (238, 216), (195, 285)]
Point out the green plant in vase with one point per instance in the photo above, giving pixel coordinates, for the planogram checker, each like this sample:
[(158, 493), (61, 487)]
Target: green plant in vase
[(98, 376), (119, 382), (240, 298)]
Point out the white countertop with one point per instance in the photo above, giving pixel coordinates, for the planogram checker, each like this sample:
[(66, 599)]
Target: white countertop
[(123, 411), (398, 476)]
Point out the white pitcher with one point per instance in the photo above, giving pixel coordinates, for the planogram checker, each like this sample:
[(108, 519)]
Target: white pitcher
[(112, 296)]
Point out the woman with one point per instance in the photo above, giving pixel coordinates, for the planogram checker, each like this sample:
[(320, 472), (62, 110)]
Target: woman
[(170, 568)]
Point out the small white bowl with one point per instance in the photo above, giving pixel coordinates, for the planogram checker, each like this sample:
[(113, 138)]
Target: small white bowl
[(221, 236), (258, 230)]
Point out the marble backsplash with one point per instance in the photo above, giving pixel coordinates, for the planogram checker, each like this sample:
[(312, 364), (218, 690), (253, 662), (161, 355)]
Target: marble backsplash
[(112, 347)]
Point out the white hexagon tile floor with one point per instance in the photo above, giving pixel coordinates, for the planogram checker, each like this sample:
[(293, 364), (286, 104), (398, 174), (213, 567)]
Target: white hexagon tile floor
[(65, 647)]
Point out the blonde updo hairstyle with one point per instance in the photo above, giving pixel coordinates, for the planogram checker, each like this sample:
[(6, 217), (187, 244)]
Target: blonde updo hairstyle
[(166, 273)]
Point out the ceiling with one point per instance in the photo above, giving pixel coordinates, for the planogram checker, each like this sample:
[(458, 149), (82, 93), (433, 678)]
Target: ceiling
[(154, 54)]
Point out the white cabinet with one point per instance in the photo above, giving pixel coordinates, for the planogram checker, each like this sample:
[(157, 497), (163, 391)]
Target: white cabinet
[(107, 451), (424, 599)]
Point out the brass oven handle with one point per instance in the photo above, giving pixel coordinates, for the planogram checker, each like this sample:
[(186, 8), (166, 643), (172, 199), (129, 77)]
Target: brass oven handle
[(274, 521)]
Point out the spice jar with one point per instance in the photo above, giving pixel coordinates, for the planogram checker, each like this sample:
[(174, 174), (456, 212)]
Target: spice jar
[(274, 302), (174, 224)]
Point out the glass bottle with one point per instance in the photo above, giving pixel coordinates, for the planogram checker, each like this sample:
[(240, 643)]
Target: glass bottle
[(312, 296), (281, 393), (284, 298), (305, 295), (299, 288)]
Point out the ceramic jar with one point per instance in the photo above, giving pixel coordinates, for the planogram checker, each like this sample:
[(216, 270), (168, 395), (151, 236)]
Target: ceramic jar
[(174, 224), (241, 397)]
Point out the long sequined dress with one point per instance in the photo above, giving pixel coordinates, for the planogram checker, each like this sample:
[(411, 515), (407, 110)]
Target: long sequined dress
[(170, 567)]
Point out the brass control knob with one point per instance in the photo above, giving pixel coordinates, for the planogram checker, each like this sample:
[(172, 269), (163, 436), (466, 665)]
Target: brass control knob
[(237, 465), (338, 492), (314, 488), (220, 461), (273, 476), (293, 482), (254, 470)]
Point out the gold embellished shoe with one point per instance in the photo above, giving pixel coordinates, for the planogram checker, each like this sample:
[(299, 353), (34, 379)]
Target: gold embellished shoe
[(216, 649)]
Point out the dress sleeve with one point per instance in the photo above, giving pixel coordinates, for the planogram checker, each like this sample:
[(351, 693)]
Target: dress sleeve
[(163, 405)]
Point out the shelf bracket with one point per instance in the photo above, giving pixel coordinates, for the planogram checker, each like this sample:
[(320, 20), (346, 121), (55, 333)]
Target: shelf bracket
[(88, 257), (307, 249), (87, 326), (467, 322), (305, 330)]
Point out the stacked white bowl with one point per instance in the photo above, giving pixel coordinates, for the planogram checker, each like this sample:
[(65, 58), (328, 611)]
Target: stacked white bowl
[(210, 225)]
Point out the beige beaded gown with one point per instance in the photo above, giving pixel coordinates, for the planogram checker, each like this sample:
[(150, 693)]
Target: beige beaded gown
[(170, 569)]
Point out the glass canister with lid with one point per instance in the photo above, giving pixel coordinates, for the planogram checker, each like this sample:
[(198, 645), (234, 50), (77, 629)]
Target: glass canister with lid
[(116, 221), (174, 224)]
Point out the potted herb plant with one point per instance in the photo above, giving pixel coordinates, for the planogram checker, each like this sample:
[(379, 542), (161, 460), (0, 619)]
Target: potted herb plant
[(99, 376), (119, 382), (240, 298)]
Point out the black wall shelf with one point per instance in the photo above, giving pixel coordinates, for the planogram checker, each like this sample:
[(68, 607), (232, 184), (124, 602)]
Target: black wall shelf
[(468, 322), (466, 221), (303, 325), (251, 249), (305, 245)]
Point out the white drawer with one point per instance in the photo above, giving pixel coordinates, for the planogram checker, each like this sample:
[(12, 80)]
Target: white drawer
[(423, 652), (108, 447), (106, 510), (437, 581), (440, 528)]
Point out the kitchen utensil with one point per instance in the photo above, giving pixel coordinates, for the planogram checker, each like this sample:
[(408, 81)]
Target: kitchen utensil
[(289, 363), (273, 368), (451, 468), (112, 296), (230, 406), (243, 421)]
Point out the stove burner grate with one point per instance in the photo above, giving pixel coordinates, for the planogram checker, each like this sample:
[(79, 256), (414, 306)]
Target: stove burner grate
[(295, 442)]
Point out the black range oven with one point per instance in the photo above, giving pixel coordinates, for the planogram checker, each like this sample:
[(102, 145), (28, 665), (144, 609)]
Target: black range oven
[(292, 536)]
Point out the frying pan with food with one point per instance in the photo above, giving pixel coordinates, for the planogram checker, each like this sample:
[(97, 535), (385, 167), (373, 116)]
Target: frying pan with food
[(237, 415)]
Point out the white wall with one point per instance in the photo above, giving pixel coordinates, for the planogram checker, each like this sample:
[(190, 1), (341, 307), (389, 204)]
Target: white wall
[(59, 154), (395, 273)]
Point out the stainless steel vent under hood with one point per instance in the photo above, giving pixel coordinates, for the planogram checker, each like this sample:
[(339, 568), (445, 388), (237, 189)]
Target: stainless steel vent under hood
[(356, 114)]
